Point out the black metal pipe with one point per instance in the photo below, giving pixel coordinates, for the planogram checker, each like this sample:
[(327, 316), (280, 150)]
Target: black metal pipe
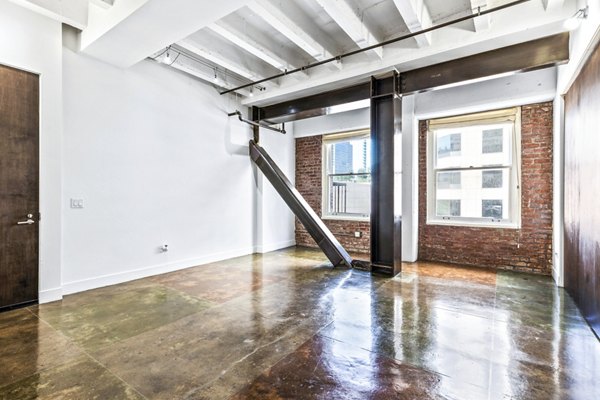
[(257, 124), (384, 43)]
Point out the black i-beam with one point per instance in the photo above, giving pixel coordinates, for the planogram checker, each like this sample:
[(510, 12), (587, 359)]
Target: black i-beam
[(386, 128)]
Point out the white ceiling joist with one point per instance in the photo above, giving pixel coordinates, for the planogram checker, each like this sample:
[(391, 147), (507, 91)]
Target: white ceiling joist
[(219, 60), (106, 4), (481, 23), (341, 12), (416, 17), (552, 4), (288, 28), (253, 48)]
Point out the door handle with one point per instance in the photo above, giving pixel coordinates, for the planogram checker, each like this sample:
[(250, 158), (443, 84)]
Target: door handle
[(28, 222)]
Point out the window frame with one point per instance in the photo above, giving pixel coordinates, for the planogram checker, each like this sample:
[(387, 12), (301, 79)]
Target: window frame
[(329, 139), (514, 184)]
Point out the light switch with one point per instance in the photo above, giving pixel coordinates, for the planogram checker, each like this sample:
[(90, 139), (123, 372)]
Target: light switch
[(76, 203)]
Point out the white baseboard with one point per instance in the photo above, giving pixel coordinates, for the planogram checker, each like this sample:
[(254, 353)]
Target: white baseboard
[(126, 276), (266, 248), (50, 295)]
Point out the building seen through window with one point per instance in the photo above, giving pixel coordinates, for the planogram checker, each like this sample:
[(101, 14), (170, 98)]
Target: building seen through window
[(347, 185)]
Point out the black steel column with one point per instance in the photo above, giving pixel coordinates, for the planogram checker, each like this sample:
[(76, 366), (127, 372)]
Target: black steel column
[(386, 123)]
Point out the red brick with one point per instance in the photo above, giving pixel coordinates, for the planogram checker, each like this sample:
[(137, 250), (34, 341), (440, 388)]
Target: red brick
[(308, 183), (527, 249)]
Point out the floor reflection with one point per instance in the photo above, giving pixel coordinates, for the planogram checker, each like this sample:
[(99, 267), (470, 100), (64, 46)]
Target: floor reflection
[(288, 325)]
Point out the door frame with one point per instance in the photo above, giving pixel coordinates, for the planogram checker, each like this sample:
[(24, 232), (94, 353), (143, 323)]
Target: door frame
[(39, 173)]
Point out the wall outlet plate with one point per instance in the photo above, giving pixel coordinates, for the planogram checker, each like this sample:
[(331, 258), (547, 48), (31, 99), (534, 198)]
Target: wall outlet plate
[(357, 234), (76, 203)]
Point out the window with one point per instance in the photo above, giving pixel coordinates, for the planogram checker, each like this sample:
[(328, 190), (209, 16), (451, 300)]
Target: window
[(473, 170), (347, 175)]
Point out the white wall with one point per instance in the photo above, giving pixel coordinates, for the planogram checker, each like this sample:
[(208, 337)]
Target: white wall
[(275, 220), (32, 42), (156, 160)]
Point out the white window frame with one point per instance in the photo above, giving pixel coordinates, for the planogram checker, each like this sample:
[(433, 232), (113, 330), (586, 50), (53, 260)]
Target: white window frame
[(484, 118), (329, 139)]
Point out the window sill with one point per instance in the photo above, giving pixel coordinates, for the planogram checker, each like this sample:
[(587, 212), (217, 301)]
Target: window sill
[(466, 224), (345, 218)]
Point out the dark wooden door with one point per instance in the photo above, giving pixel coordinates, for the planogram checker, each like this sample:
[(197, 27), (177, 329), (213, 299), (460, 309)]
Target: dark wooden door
[(19, 186), (582, 191)]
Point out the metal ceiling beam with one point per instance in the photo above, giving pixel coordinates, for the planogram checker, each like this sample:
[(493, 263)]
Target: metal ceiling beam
[(313, 106), (341, 12), (275, 17), (252, 47), (219, 60), (416, 17), (536, 54)]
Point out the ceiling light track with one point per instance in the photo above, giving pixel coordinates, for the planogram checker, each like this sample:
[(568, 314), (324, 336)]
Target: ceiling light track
[(179, 51), (479, 13)]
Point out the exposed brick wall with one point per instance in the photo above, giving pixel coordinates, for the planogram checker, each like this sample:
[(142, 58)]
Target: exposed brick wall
[(526, 249), (308, 183)]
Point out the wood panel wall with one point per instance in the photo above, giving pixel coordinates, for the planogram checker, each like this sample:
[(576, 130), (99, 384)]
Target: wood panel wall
[(582, 191)]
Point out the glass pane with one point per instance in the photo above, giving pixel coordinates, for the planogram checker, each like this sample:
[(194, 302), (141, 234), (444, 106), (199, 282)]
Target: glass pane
[(350, 156), (492, 141), (491, 179), (448, 180), (448, 145), (491, 209), (448, 208), (464, 192), (349, 195), (475, 146)]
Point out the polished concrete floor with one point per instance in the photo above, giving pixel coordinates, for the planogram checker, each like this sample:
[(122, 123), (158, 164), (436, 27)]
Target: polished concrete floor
[(285, 325)]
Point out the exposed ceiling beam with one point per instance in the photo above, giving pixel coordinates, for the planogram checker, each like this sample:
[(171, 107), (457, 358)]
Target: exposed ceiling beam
[(483, 22), (254, 48), (129, 31), (103, 3), (548, 52), (552, 4), (275, 17), (341, 12), (416, 17), (516, 24), (219, 60)]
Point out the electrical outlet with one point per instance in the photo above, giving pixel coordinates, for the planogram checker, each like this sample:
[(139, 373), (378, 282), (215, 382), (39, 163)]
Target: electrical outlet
[(76, 203), (357, 234)]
